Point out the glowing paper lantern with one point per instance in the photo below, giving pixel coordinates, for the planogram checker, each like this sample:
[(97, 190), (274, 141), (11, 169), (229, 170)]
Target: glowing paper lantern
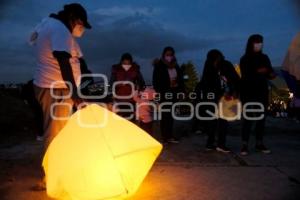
[(230, 109), (98, 155)]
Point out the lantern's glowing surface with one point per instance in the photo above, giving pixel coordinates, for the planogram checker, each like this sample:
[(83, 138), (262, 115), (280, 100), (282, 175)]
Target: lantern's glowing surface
[(98, 155)]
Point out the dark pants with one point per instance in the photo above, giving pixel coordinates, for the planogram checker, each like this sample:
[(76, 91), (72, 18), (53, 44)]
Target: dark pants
[(297, 113), (198, 124), (221, 127), (28, 94), (259, 129), (38, 115), (166, 126), (146, 127), (167, 120), (259, 126), (126, 112)]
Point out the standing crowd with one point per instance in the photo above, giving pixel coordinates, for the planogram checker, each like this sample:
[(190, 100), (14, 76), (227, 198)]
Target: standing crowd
[(61, 61)]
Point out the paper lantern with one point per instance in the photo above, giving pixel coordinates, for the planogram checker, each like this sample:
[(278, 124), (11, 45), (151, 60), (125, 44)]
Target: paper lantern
[(98, 155), (230, 109)]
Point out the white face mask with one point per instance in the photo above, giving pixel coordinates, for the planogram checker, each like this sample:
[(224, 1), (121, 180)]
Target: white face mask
[(169, 58), (78, 30), (126, 67), (258, 47)]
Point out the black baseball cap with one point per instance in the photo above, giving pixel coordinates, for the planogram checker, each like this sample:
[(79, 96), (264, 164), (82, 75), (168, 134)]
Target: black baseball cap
[(78, 11)]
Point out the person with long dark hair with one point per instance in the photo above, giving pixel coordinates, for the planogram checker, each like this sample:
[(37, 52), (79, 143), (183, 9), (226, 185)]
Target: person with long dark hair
[(167, 82), (256, 70), (219, 79)]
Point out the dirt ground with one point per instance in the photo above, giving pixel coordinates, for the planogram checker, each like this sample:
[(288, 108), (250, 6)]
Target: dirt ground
[(183, 171)]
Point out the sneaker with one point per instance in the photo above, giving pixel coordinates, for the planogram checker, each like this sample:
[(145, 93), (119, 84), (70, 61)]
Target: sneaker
[(210, 147), (244, 150), (39, 138), (223, 149), (263, 149), (173, 141)]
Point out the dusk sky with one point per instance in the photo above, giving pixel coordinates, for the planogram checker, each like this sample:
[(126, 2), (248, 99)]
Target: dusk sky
[(144, 27)]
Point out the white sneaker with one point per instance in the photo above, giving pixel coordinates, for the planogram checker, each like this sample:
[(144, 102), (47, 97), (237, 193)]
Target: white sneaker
[(223, 149), (173, 141), (40, 138)]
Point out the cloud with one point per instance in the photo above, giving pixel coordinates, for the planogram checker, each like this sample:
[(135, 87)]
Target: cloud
[(132, 30), (109, 15), (126, 11), (144, 28), (137, 34), (140, 35)]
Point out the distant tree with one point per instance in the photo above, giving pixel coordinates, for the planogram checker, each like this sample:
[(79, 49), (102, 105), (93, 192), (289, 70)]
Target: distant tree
[(190, 76)]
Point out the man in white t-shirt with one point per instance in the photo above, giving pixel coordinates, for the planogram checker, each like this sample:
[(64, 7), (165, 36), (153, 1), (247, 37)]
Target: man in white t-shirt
[(59, 66)]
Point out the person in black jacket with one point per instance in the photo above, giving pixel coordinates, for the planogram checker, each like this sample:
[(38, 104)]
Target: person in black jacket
[(256, 70), (219, 79), (167, 82)]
